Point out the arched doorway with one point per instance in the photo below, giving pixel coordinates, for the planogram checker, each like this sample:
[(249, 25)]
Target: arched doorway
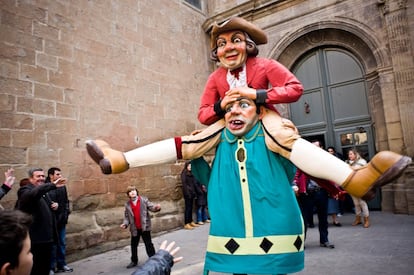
[(334, 107)]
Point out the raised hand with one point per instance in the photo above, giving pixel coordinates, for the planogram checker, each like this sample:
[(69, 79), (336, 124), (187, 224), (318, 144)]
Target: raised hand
[(9, 177), (170, 248)]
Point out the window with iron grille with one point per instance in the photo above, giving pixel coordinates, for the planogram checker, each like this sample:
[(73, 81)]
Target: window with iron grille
[(195, 3)]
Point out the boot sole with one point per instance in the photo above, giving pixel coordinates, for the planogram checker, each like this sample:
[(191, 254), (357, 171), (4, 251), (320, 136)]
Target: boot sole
[(98, 156), (94, 152), (391, 174)]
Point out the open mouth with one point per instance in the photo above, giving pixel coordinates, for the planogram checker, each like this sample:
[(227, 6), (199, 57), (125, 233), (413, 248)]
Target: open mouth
[(236, 124)]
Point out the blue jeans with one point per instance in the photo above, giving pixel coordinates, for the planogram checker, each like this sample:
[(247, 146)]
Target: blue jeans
[(202, 214), (59, 250)]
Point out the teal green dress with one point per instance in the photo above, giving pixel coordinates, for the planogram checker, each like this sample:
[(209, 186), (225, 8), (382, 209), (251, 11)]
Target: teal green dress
[(256, 225)]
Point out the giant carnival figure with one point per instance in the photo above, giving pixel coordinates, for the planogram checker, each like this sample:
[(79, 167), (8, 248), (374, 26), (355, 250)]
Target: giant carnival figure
[(255, 149)]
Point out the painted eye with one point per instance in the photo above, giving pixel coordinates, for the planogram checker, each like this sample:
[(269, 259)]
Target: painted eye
[(244, 105), (228, 108), (221, 43), (237, 40)]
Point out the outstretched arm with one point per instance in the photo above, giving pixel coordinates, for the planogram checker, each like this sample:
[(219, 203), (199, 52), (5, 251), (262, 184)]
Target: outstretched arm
[(161, 263)]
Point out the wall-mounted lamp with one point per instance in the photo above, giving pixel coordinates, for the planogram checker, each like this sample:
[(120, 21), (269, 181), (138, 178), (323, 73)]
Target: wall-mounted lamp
[(307, 108)]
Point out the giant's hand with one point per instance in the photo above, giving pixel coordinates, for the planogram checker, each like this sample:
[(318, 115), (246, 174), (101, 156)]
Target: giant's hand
[(242, 92), (235, 94)]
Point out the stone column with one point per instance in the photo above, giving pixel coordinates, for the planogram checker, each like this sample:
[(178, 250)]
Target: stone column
[(389, 98), (396, 24), (399, 120)]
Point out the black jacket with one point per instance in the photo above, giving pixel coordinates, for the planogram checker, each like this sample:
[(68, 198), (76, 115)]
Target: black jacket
[(60, 195), (33, 200), (4, 189), (188, 183), (159, 264), (201, 195)]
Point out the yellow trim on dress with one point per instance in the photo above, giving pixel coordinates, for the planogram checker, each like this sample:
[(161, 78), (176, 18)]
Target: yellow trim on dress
[(251, 246), (244, 185)]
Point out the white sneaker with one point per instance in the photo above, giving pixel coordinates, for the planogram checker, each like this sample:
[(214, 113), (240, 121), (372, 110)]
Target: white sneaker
[(65, 269)]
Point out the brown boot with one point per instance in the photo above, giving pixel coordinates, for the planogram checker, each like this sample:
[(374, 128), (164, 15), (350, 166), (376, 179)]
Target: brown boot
[(193, 224), (188, 227), (366, 222), (111, 161), (357, 220), (382, 169)]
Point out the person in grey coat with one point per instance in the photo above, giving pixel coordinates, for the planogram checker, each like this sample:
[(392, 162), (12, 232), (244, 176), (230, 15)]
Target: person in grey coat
[(138, 219)]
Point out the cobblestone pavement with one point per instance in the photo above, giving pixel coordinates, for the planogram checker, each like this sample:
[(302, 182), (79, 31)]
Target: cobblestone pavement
[(387, 247)]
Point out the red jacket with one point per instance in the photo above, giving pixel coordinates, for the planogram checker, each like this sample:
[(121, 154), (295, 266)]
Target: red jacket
[(334, 190), (262, 73)]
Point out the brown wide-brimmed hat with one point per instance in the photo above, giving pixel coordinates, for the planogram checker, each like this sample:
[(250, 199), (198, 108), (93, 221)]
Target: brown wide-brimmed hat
[(238, 23)]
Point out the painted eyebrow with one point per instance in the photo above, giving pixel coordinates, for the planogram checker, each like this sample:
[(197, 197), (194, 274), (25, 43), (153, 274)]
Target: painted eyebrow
[(236, 34)]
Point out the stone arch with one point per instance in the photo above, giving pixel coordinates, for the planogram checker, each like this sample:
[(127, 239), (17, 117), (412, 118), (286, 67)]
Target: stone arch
[(355, 39)]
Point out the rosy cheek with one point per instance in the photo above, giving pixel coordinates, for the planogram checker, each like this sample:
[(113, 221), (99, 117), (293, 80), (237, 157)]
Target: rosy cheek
[(220, 53), (240, 47)]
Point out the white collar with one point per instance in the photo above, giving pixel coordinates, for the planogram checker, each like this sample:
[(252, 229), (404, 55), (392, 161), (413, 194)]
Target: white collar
[(234, 82)]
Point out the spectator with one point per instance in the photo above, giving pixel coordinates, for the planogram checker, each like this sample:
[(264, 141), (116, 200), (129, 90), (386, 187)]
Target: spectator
[(334, 203), (24, 181), (137, 217), (201, 202), (361, 206), (311, 196), (15, 255), (189, 185), (60, 196), (33, 199), (331, 150)]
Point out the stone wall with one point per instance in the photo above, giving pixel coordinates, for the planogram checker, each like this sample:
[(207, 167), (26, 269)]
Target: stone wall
[(128, 72)]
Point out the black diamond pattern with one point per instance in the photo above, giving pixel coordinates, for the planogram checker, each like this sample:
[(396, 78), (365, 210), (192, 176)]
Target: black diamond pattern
[(298, 243), (266, 245), (232, 246)]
